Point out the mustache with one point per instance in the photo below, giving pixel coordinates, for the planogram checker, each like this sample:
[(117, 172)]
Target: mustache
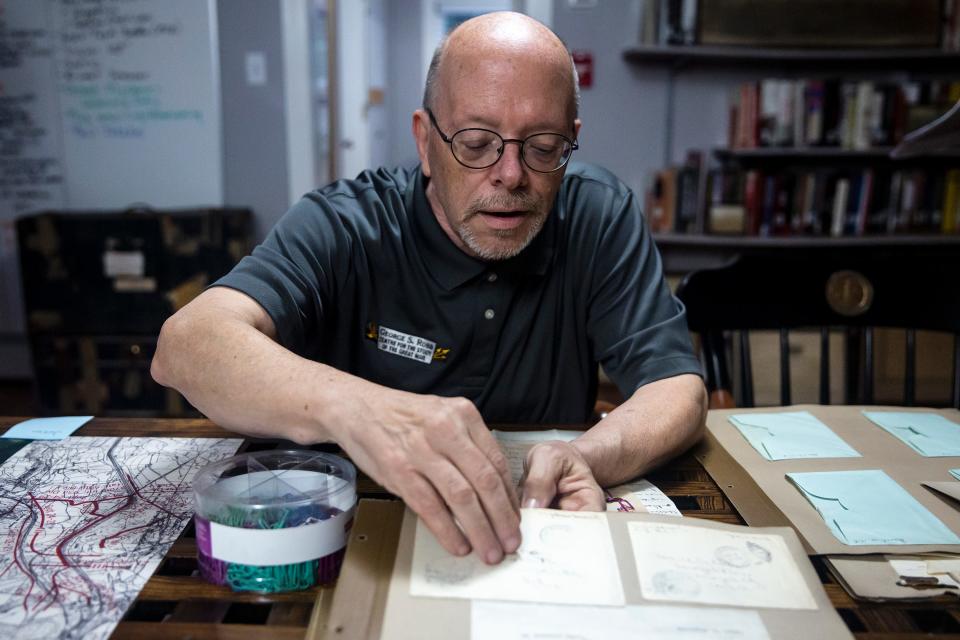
[(504, 202)]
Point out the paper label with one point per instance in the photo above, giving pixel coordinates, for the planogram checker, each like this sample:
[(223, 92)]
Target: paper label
[(405, 345), (269, 547), (123, 263)]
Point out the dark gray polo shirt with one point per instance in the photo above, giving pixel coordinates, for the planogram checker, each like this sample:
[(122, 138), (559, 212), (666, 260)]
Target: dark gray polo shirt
[(359, 275)]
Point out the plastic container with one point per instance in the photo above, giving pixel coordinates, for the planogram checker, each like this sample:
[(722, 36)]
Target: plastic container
[(274, 521)]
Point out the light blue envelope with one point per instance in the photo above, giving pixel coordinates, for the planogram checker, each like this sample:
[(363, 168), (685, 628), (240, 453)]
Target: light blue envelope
[(870, 508), (929, 434), (46, 428), (791, 434), (955, 473)]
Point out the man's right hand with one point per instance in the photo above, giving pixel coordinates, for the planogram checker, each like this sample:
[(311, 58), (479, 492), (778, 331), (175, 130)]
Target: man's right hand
[(438, 455)]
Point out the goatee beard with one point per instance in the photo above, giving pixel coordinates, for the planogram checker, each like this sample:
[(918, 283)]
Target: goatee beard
[(530, 204)]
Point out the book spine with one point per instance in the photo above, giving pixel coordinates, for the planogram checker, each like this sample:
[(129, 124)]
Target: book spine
[(896, 203), (769, 110), (799, 113), (752, 201), (951, 202), (863, 206), (839, 210), (813, 98)]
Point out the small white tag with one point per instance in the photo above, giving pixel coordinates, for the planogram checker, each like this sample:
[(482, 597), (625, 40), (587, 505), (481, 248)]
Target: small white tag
[(123, 263), (403, 344), (268, 547)]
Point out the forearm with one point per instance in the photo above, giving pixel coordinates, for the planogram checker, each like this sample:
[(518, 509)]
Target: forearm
[(244, 381), (658, 422)]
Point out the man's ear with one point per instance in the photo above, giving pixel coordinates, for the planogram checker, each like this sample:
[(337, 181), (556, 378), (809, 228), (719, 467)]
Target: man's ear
[(421, 135), (576, 128)]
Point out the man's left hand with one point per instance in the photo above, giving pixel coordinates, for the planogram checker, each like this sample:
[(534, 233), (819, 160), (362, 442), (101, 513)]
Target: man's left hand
[(556, 475)]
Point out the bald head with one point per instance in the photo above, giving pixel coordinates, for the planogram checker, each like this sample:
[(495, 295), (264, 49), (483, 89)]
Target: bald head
[(501, 35)]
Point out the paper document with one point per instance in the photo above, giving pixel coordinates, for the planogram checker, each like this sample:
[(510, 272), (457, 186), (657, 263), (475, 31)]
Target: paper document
[(944, 567), (870, 508), (566, 557), (516, 444), (955, 473), (708, 566), (46, 428), (641, 495), (790, 435), (929, 434), (513, 621), (917, 567)]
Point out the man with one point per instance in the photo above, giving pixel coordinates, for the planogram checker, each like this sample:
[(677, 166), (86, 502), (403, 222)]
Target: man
[(487, 277)]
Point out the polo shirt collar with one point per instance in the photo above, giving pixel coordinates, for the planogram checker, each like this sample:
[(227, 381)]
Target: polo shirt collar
[(450, 266)]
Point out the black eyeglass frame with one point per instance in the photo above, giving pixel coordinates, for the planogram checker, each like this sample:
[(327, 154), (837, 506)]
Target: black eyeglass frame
[(574, 145)]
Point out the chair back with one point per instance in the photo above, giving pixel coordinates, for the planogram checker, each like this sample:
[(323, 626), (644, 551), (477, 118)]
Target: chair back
[(848, 286)]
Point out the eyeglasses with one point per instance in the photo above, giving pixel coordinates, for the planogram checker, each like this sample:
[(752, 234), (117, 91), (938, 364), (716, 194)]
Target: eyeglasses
[(481, 148)]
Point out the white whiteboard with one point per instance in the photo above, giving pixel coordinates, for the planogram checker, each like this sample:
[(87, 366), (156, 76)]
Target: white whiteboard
[(31, 166), (139, 100)]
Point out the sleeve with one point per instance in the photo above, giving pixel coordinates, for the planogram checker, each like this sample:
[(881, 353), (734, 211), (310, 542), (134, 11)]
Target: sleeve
[(292, 273), (637, 327)]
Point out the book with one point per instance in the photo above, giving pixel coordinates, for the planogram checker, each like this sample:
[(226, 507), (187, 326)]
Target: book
[(839, 210), (753, 201), (950, 222), (863, 202)]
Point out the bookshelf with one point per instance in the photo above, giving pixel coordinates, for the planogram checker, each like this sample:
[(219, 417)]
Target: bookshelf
[(684, 252), (789, 154), (688, 241), (911, 59)]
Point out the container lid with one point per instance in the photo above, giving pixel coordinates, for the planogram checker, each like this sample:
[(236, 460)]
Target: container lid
[(287, 478)]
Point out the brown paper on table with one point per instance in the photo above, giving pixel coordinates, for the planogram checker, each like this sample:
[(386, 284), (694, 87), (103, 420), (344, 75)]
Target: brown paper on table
[(950, 488), (759, 489), (871, 577), (409, 617)]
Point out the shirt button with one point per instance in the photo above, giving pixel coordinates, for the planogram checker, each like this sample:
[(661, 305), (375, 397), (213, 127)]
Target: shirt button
[(492, 277), (488, 314)]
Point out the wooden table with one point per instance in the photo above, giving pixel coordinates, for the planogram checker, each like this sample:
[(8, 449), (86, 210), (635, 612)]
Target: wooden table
[(177, 603)]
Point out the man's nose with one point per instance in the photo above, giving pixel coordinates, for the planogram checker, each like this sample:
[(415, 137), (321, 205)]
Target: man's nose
[(509, 171)]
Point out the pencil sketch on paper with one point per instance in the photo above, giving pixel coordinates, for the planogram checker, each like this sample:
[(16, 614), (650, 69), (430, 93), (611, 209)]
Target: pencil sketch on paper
[(452, 570), (83, 524), (713, 566), (676, 584), (564, 558), (742, 556)]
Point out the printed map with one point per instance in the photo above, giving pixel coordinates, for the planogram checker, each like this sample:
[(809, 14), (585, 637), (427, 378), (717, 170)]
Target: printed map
[(84, 522)]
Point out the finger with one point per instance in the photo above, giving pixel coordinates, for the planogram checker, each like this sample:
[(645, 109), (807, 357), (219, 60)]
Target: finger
[(487, 443), (465, 505), (540, 478), (583, 500), (427, 504), (493, 495)]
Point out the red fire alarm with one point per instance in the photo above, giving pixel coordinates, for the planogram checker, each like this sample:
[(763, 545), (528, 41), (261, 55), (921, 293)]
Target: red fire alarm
[(583, 60)]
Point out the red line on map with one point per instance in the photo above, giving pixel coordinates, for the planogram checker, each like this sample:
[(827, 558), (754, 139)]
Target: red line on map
[(98, 519), (20, 566), (39, 508)]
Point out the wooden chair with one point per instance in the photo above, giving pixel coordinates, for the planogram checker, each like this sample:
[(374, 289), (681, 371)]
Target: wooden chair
[(848, 285)]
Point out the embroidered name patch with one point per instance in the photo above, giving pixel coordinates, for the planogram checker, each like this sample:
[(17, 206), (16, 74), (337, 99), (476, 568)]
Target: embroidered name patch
[(403, 344)]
